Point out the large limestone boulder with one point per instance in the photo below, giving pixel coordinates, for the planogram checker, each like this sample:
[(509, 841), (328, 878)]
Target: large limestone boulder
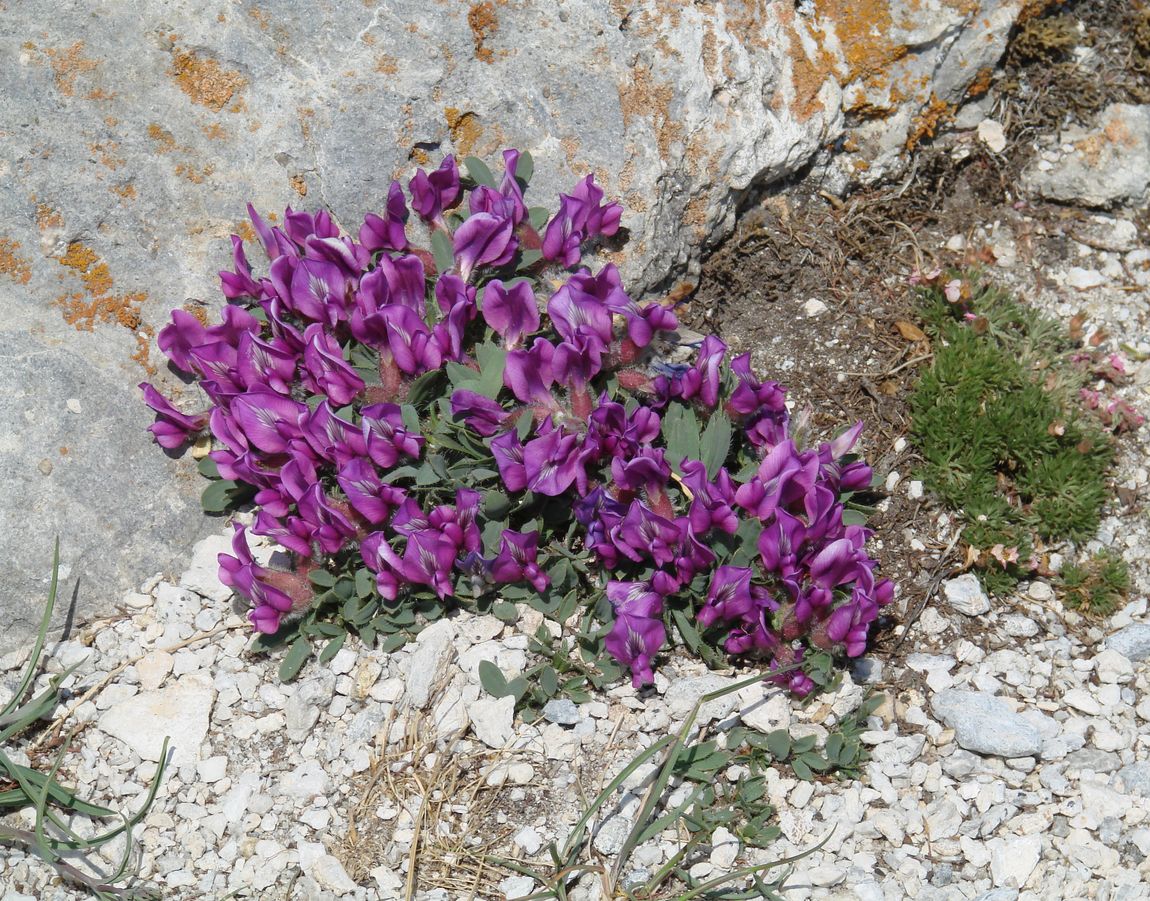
[(132, 134)]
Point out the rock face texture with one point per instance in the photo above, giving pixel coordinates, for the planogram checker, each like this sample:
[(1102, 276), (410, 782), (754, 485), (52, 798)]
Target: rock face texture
[(131, 135)]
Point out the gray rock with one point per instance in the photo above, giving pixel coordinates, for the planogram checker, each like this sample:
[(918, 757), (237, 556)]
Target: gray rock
[(1109, 164), (683, 693), (1133, 642), (964, 594), (986, 724), (1134, 779), (493, 720), (562, 711), (1092, 759), (999, 894), (162, 119), (433, 650), (179, 712), (305, 704)]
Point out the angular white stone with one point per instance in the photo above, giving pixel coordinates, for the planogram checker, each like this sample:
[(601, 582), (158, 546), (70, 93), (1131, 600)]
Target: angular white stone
[(1013, 859), (180, 711), (964, 594)]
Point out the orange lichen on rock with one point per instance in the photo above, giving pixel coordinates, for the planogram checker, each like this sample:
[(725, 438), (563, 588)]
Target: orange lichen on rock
[(981, 83), (927, 123), (214, 131), (67, 65), (127, 191), (47, 218), (465, 129), (12, 264), (298, 185), (105, 151), (642, 96), (96, 304), (165, 140), (483, 23), (204, 80), (245, 231), (385, 64), (193, 174), (808, 74), (863, 28)]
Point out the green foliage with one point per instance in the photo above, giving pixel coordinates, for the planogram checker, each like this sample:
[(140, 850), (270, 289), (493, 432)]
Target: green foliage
[(1097, 586), (55, 805), (1001, 435), (707, 803)]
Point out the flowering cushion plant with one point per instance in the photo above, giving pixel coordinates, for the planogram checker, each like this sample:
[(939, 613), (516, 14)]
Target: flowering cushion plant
[(452, 408)]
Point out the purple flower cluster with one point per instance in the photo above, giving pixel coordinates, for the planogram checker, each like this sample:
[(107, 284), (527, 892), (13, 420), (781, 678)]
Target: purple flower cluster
[(308, 378)]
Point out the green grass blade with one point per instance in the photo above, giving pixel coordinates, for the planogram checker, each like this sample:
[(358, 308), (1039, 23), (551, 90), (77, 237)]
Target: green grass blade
[(41, 635)]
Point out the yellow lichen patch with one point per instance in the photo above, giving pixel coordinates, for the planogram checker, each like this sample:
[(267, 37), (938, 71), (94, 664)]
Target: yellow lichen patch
[(87, 265), (67, 65), (204, 80), (261, 18), (465, 129), (127, 191), (245, 231), (642, 96), (47, 218), (863, 28), (214, 132), (105, 152), (483, 24), (97, 304), (808, 74), (199, 311), (12, 264), (981, 83), (927, 123), (195, 175), (386, 64), (298, 185), (165, 140)]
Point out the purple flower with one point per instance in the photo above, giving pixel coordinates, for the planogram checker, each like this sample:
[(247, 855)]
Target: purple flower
[(185, 332), (434, 193), (330, 438), (511, 312), (575, 313), (550, 462), (386, 437), (516, 560), (561, 240), (269, 363), (451, 290), (702, 380), (638, 631), (729, 596), (607, 287), (529, 375), (171, 428), (239, 283), (509, 186), (484, 239), (268, 420), (449, 333), (319, 521), (371, 498), (588, 215), (326, 371), (482, 415), (427, 560), (643, 535), (412, 345), (378, 233), (406, 282), (508, 453)]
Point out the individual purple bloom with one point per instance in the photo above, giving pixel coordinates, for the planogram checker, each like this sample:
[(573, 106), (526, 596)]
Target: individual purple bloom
[(511, 312), (268, 419), (171, 428), (644, 535), (382, 560), (692, 556), (240, 570), (710, 501), (484, 240), (370, 497), (607, 287), (703, 379), (529, 375), (574, 313), (451, 290), (185, 332), (351, 258), (618, 434), (835, 564), (410, 340), (467, 518), (482, 415), (449, 333), (410, 518), (378, 233), (240, 282), (638, 631), (386, 437), (321, 522), (434, 193), (508, 453), (301, 226), (646, 471), (428, 559), (319, 290), (406, 282), (295, 479), (561, 240), (588, 214), (269, 363), (781, 543), (274, 241), (550, 462), (329, 438), (577, 361), (516, 560), (729, 596), (326, 371), (509, 186)]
